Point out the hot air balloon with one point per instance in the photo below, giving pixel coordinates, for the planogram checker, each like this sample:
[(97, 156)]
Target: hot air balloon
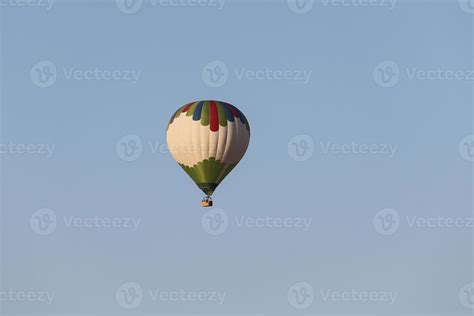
[(208, 139)]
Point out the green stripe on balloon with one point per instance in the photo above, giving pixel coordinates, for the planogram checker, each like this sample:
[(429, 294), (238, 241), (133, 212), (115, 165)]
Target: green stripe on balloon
[(191, 109), (221, 114), (205, 114), (208, 171), (178, 113)]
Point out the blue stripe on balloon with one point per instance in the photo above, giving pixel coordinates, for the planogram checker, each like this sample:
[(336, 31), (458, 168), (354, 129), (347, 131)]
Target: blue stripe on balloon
[(228, 113), (242, 116), (197, 111)]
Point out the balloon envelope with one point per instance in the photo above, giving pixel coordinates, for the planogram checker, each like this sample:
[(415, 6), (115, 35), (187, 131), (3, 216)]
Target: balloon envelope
[(208, 139)]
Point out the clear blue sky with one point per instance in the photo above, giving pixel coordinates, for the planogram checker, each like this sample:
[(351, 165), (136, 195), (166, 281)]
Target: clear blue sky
[(338, 51)]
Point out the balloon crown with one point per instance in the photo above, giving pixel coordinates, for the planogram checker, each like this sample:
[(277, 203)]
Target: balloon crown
[(211, 113)]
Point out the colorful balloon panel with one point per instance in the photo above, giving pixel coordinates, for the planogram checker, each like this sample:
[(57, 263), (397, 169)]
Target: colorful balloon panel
[(208, 139)]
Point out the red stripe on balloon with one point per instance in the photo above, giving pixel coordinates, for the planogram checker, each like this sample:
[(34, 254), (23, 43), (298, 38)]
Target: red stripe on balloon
[(214, 117), (186, 108)]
